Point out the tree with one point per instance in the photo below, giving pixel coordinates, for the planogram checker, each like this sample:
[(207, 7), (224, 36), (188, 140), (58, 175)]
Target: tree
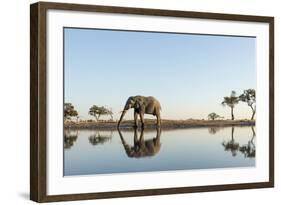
[(249, 97), (77, 118), (231, 101), (213, 116), (110, 113), (69, 111), (97, 111)]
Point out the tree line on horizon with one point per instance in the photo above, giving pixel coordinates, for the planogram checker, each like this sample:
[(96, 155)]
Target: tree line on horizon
[(248, 96), (95, 110)]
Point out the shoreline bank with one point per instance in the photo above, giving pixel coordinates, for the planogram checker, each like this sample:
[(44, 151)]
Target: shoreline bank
[(165, 124)]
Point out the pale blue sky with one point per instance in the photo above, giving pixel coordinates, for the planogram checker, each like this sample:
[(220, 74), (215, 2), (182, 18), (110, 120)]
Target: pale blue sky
[(188, 74)]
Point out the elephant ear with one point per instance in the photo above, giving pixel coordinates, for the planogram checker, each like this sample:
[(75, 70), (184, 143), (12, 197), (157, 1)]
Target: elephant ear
[(138, 104)]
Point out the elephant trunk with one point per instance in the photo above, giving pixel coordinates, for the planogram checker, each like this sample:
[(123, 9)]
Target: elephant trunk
[(121, 118)]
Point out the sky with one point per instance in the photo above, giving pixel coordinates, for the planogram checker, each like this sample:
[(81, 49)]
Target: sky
[(188, 73)]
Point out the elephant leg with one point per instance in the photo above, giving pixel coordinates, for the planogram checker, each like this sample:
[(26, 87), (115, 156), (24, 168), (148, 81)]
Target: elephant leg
[(158, 120), (158, 134), (141, 137), (135, 137), (142, 120), (136, 119)]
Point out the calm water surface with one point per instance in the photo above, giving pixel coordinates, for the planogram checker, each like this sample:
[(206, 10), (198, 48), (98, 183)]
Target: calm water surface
[(103, 152)]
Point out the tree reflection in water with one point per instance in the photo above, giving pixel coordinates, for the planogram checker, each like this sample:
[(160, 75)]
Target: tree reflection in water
[(231, 145), (99, 139), (70, 136), (214, 130), (249, 150), (141, 147)]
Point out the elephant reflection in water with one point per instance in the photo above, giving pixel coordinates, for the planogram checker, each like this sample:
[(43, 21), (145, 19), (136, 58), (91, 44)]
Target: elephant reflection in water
[(98, 138), (70, 136), (141, 147), (249, 150), (231, 145)]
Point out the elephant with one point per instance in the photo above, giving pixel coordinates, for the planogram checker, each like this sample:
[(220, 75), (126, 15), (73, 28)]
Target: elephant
[(142, 105), (141, 147)]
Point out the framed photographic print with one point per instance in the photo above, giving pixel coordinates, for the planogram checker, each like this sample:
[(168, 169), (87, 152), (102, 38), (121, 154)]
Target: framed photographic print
[(134, 102)]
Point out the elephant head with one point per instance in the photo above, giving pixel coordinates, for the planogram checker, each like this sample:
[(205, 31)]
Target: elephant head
[(131, 103), (142, 105)]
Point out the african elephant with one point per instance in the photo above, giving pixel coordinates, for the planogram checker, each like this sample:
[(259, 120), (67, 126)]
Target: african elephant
[(141, 147), (142, 105)]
